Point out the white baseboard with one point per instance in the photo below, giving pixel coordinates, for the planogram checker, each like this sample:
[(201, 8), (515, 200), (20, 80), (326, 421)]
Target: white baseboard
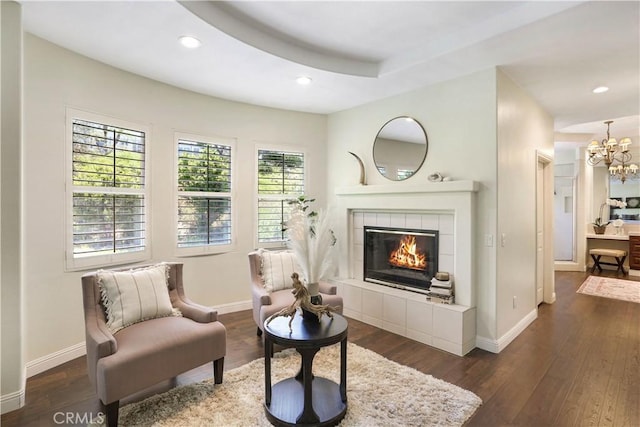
[(52, 360), (59, 357), (567, 266), (487, 344), (552, 300), (234, 306), (14, 400), (496, 346)]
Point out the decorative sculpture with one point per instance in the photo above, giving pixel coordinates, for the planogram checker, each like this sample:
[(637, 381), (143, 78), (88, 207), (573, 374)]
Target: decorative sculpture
[(303, 301), (362, 175)]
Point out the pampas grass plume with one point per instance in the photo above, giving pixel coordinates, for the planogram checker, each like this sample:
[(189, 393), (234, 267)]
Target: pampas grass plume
[(311, 240)]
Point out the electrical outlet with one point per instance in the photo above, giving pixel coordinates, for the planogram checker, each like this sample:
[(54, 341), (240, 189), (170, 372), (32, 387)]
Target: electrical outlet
[(515, 302), (503, 239), (489, 238)]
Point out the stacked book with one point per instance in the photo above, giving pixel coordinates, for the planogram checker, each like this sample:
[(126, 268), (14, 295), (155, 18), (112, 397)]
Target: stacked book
[(441, 290)]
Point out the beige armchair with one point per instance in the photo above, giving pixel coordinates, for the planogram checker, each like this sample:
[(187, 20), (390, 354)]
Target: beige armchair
[(266, 303), (146, 353)]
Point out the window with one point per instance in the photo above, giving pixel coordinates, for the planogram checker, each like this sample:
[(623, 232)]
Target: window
[(404, 174), (204, 178), (108, 197), (280, 178)]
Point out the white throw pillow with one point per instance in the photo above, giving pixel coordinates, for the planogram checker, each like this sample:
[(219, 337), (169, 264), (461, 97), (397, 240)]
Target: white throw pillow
[(277, 268), (135, 295)]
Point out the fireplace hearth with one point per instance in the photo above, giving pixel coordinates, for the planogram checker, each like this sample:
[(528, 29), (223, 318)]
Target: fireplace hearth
[(400, 257)]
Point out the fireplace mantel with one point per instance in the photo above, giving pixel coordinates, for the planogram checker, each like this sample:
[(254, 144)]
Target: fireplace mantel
[(431, 187), (451, 197), (448, 327)]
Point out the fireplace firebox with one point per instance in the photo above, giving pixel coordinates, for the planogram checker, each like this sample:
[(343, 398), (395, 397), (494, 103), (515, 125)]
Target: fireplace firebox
[(400, 257)]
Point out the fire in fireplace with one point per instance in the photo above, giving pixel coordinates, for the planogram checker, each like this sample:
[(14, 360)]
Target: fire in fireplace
[(400, 257), (408, 255)]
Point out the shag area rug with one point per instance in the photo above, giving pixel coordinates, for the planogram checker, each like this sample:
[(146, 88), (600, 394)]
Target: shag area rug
[(380, 392), (610, 287)]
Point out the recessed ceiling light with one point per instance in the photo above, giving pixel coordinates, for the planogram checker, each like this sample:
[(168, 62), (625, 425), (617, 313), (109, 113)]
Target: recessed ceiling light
[(600, 89), (303, 80), (189, 42)]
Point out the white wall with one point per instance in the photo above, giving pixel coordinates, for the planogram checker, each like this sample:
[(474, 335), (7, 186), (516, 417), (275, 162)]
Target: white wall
[(484, 128), (12, 304), (459, 117), (600, 191), (523, 129), (56, 78)]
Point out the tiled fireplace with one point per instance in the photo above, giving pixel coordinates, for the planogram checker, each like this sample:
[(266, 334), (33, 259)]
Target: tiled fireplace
[(408, 224), (443, 210), (400, 257)]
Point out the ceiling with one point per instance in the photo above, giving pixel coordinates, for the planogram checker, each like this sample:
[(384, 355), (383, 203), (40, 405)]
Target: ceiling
[(362, 51)]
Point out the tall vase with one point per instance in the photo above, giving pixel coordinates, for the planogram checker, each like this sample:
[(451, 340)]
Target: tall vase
[(316, 299)]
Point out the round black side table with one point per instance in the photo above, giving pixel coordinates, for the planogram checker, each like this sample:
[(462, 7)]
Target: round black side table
[(305, 399)]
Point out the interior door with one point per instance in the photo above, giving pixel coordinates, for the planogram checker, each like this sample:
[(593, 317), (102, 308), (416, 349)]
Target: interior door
[(563, 217), (540, 232)]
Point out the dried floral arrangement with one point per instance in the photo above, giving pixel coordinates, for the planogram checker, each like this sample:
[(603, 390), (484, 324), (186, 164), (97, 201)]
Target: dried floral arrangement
[(312, 242)]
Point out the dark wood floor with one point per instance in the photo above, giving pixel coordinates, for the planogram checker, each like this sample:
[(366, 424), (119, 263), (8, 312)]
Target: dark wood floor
[(578, 364)]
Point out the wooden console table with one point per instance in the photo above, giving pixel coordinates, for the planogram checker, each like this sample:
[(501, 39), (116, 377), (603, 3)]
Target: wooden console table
[(305, 399)]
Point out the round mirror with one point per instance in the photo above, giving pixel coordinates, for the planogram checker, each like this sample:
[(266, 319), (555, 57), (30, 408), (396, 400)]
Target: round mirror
[(400, 148)]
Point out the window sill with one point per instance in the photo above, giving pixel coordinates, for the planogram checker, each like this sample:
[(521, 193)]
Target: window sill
[(203, 250), (105, 261)]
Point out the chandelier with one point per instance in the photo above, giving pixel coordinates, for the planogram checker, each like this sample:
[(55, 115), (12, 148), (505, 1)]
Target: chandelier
[(615, 155)]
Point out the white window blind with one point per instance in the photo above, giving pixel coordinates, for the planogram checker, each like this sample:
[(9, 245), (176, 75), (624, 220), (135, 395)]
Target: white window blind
[(108, 207), (204, 194), (280, 179)]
